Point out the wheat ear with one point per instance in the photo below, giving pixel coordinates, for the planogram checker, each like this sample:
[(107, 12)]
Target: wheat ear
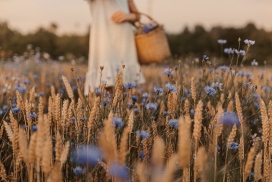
[(249, 162), (9, 131), (124, 147), (258, 167), (68, 87), (3, 173), (47, 156), (64, 153), (23, 145), (201, 160), (184, 142)]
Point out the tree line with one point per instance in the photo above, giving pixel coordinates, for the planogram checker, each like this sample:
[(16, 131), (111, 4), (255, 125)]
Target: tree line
[(188, 43)]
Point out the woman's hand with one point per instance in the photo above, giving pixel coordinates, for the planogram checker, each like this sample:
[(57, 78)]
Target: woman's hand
[(119, 17)]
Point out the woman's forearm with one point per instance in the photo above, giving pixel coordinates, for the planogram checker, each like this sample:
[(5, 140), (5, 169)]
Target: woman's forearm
[(133, 16)]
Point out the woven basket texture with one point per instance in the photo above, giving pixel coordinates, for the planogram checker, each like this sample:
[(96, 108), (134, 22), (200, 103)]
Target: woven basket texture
[(152, 47)]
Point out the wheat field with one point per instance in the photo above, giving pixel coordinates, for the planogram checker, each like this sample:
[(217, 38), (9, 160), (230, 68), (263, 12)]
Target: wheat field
[(189, 122)]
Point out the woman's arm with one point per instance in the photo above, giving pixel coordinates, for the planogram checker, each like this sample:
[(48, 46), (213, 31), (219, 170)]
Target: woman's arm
[(120, 16), (133, 9)]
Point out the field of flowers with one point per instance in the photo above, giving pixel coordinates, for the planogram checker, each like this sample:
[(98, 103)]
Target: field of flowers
[(190, 122)]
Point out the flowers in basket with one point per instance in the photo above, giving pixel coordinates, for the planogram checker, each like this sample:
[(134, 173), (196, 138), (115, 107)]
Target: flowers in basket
[(148, 27)]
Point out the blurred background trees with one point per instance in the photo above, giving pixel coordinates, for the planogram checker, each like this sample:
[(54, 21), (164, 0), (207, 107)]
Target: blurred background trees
[(187, 43)]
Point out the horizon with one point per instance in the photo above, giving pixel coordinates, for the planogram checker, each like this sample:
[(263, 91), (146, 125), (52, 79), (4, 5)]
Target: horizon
[(29, 16)]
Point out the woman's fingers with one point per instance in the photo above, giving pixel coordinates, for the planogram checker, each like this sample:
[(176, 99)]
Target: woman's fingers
[(119, 17)]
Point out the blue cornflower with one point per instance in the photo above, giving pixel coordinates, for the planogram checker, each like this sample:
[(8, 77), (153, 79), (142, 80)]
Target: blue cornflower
[(129, 85), (20, 88), (117, 122), (27, 82), (173, 123), (171, 87), (83, 119), (142, 134), (192, 112), (240, 73), (72, 144), (228, 50), (32, 115), (185, 74), (266, 89), (1, 111), (247, 84), (241, 52), (145, 95), (256, 96), (34, 128), (74, 87), (209, 90), (79, 170), (16, 110), (97, 91), (262, 74), (119, 171), (165, 113), (142, 155), (5, 108), (224, 68), (158, 90), (151, 106), (249, 42), (86, 154), (168, 71), (248, 75), (129, 104), (234, 146), (229, 118), (205, 57), (73, 119), (187, 92), (136, 110), (256, 105), (41, 93), (221, 41), (134, 98)]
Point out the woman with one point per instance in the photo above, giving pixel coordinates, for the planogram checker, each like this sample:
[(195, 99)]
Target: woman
[(112, 43)]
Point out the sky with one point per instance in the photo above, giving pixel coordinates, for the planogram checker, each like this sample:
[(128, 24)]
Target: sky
[(73, 16)]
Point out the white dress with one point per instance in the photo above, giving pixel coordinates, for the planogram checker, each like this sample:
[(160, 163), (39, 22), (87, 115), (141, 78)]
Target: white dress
[(111, 46)]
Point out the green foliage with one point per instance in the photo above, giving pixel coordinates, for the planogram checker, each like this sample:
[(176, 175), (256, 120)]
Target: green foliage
[(187, 43)]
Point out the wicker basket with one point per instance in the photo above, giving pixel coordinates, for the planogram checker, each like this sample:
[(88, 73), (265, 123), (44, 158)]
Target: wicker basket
[(152, 47)]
